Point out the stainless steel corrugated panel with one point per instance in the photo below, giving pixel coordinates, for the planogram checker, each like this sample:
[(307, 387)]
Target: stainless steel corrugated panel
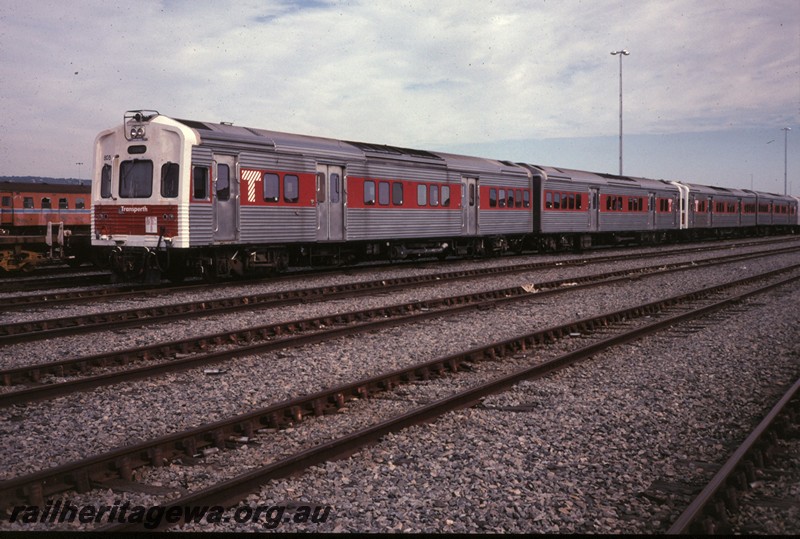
[(369, 224), (201, 224), (201, 155), (666, 221), (724, 221), (271, 161), (258, 160), (277, 224), (634, 222), (700, 221), (502, 223), (749, 220), (507, 180), (553, 222), (234, 142), (396, 171)]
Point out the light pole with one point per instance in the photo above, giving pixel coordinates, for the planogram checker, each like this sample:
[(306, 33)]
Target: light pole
[(621, 53), (785, 152)]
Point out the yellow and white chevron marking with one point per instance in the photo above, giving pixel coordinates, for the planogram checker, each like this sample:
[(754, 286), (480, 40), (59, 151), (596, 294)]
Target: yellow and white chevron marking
[(252, 177)]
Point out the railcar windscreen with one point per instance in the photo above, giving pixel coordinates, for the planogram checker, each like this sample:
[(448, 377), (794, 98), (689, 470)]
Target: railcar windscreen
[(136, 179)]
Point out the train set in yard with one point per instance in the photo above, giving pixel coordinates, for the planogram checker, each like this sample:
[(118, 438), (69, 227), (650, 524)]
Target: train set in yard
[(43, 222), (176, 198), (184, 197)]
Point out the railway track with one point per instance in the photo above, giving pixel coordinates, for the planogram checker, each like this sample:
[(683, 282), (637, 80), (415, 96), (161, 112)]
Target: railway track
[(709, 511), (192, 352), (70, 278), (86, 323), (66, 297), (99, 470)]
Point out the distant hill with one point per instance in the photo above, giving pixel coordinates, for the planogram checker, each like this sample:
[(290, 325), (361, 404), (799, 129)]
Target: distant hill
[(40, 179)]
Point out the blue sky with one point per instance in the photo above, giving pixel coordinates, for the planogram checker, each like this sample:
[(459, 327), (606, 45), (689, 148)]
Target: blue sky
[(706, 87)]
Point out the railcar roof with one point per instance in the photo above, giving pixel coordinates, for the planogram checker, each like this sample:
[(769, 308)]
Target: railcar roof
[(714, 190), (277, 140), (602, 179), (468, 163), (774, 196), (345, 149), (36, 187)]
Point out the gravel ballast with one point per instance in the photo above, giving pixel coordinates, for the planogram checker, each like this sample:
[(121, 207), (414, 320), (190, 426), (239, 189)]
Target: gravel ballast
[(482, 446)]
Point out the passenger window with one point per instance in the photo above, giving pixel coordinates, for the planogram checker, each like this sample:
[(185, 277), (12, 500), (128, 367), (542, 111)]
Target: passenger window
[(571, 201), (199, 183), (492, 198), (46, 203), (556, 201), (335, 187), (422, 195), (397, 194), (63, 204), (223, 182), (27, 202), (320, 187), (446, 195), (169, 180), (80, 204), (526, 198), (105, 182), (272, 187), (369, 192), (434, 195), (501, 198), (578, 201), (291, 188), (548, 200), (383, 193), (6, 203)]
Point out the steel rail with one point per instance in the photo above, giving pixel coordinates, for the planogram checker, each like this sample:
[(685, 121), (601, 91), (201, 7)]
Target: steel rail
[(387, 315), (120, 463), (122, 292), (697, 508), (42, 329), (231, 491)]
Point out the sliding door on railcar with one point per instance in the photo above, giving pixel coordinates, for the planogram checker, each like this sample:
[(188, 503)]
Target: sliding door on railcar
[(470, 206), (330, 203), (594, 209), (225, 193)]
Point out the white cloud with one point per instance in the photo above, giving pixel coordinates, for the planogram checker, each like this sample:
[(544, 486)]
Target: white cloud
[(412, 73)]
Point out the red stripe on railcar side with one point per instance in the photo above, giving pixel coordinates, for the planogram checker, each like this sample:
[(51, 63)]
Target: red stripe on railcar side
[(252, 188), (355, 194)]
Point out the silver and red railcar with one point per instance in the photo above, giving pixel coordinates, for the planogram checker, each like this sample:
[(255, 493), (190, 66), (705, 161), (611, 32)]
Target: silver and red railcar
[(181, 197)]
